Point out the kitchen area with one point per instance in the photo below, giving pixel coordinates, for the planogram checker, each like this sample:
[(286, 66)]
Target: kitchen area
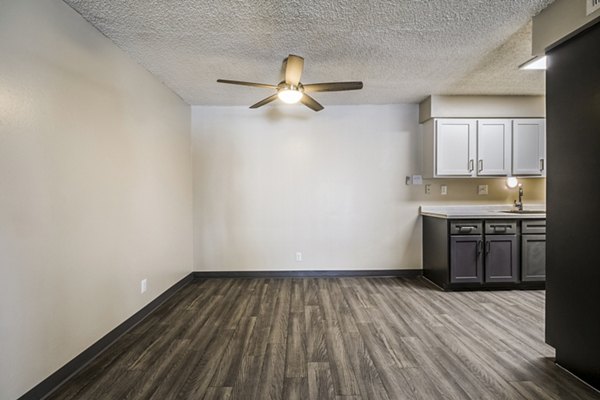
[(484, 246)]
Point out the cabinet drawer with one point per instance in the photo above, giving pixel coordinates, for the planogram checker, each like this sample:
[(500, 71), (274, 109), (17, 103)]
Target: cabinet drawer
[(466, 227), (535, 226), (501, 227)]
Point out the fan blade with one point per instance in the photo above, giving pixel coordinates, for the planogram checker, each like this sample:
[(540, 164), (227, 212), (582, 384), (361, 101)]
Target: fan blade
[(260, 85), (293, 69), (311, 103), (265, 101), (332, 86)]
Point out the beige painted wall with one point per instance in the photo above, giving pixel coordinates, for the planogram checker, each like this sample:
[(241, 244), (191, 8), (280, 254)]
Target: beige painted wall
[(95, 189), (560, 20), (271, 182), (441, 106)]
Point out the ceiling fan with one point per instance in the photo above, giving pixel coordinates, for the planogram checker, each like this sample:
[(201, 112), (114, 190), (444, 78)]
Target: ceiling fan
[(291, 90)]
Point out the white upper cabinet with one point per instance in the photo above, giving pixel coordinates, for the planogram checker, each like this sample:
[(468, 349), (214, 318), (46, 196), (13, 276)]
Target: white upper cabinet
[(529, 147), (455, 142), (457, 148), (493, 147)]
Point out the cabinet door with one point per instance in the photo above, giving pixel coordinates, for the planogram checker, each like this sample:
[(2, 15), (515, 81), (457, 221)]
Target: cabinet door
[(533, 258), (466, 259), (455, 147), (529, 147), (501, 261), (493, 147)]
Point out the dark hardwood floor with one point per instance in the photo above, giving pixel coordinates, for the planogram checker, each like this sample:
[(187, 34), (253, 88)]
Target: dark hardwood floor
[(332, 338)]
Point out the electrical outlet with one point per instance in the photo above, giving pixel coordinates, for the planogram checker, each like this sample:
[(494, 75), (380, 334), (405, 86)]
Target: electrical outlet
[(444, 190), (143, 285), (298, 256), (428, 188), (482, 190)]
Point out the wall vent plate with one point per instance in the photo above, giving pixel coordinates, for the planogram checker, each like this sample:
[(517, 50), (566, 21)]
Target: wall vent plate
[(592, 6)]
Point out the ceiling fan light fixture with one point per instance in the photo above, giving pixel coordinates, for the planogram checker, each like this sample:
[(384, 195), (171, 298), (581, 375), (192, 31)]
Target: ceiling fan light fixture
[(290, 90), (289, 96)]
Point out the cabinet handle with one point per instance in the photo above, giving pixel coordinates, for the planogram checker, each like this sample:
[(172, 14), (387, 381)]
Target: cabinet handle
[(480, 165), (479, 247), (541, 164), (488, 247), (471, 167), (502, 228)]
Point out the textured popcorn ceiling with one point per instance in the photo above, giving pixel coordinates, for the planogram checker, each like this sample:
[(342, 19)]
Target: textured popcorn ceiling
[(403, 50)]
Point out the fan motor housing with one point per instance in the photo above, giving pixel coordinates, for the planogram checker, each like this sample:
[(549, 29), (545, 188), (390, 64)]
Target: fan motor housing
[(284, 86)]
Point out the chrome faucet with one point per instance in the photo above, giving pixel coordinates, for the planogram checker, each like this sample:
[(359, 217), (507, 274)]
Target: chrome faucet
[(519, 203)]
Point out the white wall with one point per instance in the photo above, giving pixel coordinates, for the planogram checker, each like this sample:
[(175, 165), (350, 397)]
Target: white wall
[(95, 189), (274, 181)]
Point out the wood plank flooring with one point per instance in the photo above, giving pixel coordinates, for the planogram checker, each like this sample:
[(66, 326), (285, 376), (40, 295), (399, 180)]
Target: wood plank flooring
[(332, 338)]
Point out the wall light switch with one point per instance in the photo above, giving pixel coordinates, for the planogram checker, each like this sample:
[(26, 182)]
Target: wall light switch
[(417, 180), (143, 285), (444, 190), (298, 256), (482, 190)]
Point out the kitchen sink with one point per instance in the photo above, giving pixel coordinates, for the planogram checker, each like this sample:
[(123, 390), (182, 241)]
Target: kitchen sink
[(525, 212)]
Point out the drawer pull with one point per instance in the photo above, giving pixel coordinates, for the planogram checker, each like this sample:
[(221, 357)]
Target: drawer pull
[(500, 228)]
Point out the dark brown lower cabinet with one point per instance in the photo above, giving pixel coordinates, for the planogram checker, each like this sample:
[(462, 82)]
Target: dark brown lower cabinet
[(533, 258), (466, 259), (484, 253), (474, 259), (501, 258)]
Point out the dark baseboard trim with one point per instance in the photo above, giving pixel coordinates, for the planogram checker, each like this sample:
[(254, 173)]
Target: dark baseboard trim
[(54, 381), (580, 379), (407, 273)]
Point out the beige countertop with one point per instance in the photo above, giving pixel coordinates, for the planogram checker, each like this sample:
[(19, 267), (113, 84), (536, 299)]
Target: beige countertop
[(483, 211)]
